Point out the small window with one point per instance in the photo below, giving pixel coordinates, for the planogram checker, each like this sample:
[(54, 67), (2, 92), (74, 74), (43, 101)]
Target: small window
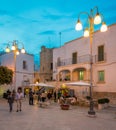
[(101, 76), (51, 66), (43, 68), (74, 58), (24, 65), (101, 53), (58, 61)]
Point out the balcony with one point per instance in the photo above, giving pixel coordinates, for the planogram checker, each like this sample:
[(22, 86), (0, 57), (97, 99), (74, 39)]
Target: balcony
[(82, 59), (71, 61), (100, 58)]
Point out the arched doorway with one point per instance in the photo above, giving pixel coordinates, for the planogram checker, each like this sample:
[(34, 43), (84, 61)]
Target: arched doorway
[(64, 75), (79, 74)]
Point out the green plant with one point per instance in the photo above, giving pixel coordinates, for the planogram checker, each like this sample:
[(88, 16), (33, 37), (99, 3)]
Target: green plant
[(101, 101), (6, 75), (106, 100), (88, 97)]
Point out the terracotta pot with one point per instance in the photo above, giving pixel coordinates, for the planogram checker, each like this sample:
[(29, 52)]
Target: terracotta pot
[(64, 106), (100, 106)]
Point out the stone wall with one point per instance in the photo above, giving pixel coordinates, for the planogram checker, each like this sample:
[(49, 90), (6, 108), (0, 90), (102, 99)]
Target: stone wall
[(110, 95)]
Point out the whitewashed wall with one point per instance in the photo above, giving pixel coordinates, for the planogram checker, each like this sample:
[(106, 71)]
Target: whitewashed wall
[(82, 47), (21, 74)]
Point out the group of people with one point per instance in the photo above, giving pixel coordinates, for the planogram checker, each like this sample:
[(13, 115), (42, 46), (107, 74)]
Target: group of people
[(15, 96), (41, 96)]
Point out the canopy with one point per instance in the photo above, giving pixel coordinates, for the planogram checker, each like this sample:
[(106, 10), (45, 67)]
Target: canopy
[(79, 83), (42, 85)]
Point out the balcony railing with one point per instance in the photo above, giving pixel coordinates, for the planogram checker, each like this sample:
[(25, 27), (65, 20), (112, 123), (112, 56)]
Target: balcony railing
[(82, 59), (70, 61), (100, 58)]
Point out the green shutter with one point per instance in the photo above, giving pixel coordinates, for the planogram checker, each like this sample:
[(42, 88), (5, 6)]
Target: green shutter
[(101, 76), (81, 75)]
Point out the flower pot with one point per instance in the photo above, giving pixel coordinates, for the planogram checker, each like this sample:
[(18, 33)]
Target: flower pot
[(64, 106), (100, 106)]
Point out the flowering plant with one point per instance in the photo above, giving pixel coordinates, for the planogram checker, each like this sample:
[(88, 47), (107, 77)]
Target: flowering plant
[(64, 90)]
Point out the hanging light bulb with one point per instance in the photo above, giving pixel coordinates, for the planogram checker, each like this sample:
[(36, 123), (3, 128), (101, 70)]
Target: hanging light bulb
[(104, 27), (97, 19), (13, 47), (78, 25), (7, 49), (86, 32), (22, 50), (17, 52)]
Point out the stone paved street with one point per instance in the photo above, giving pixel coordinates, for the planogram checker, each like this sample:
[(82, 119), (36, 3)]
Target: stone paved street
[(53, 118)]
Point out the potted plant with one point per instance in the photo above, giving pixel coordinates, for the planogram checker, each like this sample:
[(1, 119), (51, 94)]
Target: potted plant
[(64, 103), (101, 103), (64, 106), (88, 97), (63, 99)]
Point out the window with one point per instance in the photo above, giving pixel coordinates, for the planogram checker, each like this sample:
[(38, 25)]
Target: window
[(101, 76), (58, 62), (51, 66), (74, 58), (101, 53), (24, 65), (81, 75), (43, 68)]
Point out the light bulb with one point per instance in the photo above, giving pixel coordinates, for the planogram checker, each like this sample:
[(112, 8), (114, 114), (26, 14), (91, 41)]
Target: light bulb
[(78, 26), (97, 19), (86, 32), (104, 27)]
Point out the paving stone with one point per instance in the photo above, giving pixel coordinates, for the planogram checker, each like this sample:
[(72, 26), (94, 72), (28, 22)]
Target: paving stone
[(53, 118)]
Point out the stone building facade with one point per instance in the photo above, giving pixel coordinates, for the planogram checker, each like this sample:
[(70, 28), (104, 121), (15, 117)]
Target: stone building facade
[(46, 64), (71, 62)]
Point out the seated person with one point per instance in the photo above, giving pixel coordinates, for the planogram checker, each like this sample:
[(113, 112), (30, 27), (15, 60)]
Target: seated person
[(43, 96), (74, 100), (62, 100)]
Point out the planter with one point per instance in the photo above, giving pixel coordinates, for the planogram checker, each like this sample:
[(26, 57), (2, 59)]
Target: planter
[(100, 106), (103, 103), (106, 105), (64, 106)]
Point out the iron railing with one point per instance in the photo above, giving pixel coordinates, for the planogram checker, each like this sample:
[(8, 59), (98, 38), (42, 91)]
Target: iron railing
[(100, 58), (70, 61), (82, 59)]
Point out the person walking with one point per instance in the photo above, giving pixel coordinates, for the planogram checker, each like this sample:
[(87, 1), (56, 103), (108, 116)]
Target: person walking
[(59, 95), (55, 96), (10, 100), (31, 97), (19, 97), (43, 96)]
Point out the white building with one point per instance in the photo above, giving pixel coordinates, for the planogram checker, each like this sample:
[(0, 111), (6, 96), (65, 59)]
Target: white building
[(72, 61), (23, 68)]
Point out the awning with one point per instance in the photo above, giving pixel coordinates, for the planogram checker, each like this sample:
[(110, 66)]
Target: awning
[(79, 83)]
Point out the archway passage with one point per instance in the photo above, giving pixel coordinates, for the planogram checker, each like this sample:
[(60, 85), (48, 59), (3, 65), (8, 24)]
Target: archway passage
[(64, 75), (79, 74)]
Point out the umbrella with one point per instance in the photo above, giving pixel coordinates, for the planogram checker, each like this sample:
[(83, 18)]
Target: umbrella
[(79, 83)]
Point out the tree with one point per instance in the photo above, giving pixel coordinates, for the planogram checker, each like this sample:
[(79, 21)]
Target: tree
[(6, 75)]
